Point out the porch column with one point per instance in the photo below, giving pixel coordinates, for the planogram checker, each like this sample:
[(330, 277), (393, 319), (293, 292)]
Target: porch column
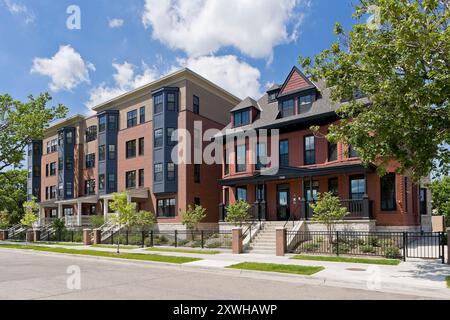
[(41, 215), (60, 210), (105, 208), (79, 213)]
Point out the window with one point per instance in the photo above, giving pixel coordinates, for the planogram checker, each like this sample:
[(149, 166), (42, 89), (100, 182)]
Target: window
[(310, 150), (89, 187), (130, 177), (241, 193), (387, 184), (101, 182), (52, 192), (131, 149), (196, 105), (333, 186), (158, 103), (357, 187), (92, 210), (197, 201), (158, 138), (101, 153), (68, 212), (142, 115), (305, 102), (141, 177), (102, 124), (170, 132), (241, 158), (171, 101), (226, 197), (226, 162), (197, 173), (170, 171), (53, 169), (423, 201), (158, 172), (332, 151), (112, 152), (69, 189), (46, 193), (312, 190), (111, 181), (166, 208), (91, 133), (69, 137), (141, 146), (60, 164), (241, 118), (69, 163), (52, 146), (260, 192), (272, 97), (131, 118), (112, 122), (352, 153), (261, 156), (284, 153), (287, 108)]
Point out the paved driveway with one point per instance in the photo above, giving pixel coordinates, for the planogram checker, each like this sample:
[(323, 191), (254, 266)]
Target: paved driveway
[(28, 275)]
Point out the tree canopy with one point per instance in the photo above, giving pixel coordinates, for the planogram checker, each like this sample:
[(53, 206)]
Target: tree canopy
[(13, 193), (400, 62), (23, 122), (440, 195)]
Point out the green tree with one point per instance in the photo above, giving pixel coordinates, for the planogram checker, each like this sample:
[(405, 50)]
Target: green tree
[(59, 225), (30, 217), (329, 211), (401, 64), (124, 213), (4, 219), (13, 193), (238, 213), (192, 216), (145, 220), (440, 194), (23, 122)]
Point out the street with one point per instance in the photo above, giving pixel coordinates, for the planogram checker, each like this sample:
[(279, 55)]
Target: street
[(29, 275)]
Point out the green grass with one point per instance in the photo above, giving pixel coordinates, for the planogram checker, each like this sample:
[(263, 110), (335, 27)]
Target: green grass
[(69, 244), (280, 268), (113, 246), (391, 262), (130, 256), (448, 281), (183, 250)]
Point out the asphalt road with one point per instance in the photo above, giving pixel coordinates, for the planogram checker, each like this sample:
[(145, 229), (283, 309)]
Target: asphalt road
[(28, 275)]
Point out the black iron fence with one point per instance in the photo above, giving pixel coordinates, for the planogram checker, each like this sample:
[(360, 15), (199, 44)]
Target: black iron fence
[(74, 236), (210, 239), (392, 245)]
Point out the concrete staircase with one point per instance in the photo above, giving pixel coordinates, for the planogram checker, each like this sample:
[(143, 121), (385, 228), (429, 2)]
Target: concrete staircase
[(265, 241)]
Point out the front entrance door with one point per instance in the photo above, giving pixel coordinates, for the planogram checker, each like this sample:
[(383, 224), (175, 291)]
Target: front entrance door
[(283, 201)]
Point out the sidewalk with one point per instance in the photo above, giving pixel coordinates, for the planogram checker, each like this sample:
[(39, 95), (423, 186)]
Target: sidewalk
[(419, 277)]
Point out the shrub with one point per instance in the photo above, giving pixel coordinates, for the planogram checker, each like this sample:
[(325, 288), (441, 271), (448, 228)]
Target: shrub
[(373, 241), (392, 252), (368, 248), (238, 213), (310, 247), (213, 244), (196, 244), (182, 242), (343, 248)]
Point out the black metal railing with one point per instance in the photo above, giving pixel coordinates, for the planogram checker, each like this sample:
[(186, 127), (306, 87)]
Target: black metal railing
[(356, 243), (72, 236)]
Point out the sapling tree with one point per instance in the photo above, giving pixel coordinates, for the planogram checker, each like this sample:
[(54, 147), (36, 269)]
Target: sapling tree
[(238, 213), (124, 213), (192, 217), (31, 209)]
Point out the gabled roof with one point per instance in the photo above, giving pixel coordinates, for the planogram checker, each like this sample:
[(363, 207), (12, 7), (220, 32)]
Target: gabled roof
[(246, 103), (295, 82), (274, 87)]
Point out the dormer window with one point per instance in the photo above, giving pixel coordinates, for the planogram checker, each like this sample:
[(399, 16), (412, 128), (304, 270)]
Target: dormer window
[(241, 118), (287, 108), (272, 96), (305, 102)]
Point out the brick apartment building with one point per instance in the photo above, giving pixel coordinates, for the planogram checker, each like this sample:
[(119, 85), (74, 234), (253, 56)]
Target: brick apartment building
[(310, 165), (126, 146)]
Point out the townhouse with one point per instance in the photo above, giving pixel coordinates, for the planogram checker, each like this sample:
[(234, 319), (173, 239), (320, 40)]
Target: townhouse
[(127, 146), (309, 164)]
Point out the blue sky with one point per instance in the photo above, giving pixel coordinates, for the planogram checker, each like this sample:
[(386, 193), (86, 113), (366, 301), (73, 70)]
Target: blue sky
[(242, 45)]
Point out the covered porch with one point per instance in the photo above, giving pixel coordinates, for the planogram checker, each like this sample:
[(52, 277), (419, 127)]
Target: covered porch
[(77, 212), (286, 194)]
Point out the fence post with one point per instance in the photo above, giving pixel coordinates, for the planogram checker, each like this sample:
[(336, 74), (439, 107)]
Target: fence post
[(37, 235), (143, 239), (203, 239), (151, 238), (3, 235), (405, 245), (281, 243), (337, 243), (97, 236), (126, 237), (87, 239), (448, 246), (236, 241), (176, 238)]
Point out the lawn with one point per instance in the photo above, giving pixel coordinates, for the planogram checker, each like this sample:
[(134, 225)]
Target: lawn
[(130, 256), (114, 246), (392, 262), (183, 250), (280, 268), (448, 281), (69, 244)]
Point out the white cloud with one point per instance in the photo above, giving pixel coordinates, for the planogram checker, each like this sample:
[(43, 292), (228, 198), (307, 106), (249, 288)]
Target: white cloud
[(239, 78), (202, 27), (125, 80), (115, 23), (66, 69), (19, 9)]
